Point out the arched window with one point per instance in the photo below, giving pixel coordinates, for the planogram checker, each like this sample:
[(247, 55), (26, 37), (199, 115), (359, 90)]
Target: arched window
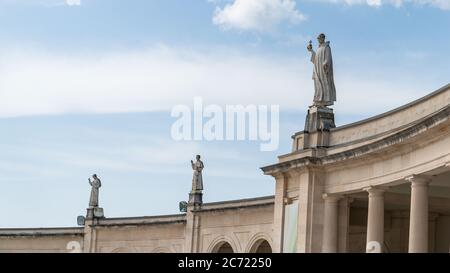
[(261, 246), (223, 247)]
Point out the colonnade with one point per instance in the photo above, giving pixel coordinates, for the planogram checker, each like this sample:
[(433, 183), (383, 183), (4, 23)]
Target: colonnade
[(418, 225)]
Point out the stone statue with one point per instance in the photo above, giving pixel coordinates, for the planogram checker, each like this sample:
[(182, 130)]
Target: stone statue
[(197, 180), (325, 91), (95, 184)]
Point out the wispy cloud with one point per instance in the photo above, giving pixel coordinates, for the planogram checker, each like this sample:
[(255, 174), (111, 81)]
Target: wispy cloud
[(257, 15), (37, 83)]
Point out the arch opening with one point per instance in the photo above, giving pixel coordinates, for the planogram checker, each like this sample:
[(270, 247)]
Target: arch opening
[(261, 246), (223, 247)]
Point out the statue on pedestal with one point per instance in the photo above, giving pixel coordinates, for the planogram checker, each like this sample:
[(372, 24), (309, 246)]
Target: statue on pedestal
[(95, 186), (325, 91), (197, 179), (320, 117)]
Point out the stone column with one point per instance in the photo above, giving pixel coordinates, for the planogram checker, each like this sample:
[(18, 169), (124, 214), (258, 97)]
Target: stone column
[(90, 235), (418, 220), (310, 210), (278, 219), (375, 220), (330, 224), (192, 230)]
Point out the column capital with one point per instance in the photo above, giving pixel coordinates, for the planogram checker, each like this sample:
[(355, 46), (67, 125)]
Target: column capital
[(376, 191), (331, 197), (418, 180)]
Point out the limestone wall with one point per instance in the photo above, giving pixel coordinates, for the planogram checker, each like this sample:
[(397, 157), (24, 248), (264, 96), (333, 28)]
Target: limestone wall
[(49, 240), (242, 223), (163, 238), (241, 227), (393, 120)]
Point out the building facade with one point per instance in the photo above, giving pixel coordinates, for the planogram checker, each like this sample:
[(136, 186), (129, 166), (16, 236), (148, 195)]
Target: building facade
[(377, 185)]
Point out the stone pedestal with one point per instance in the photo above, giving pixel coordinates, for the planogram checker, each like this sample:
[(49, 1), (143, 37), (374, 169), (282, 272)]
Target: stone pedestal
[(94, 213), (319, 122), (319, 118), (195, 198)]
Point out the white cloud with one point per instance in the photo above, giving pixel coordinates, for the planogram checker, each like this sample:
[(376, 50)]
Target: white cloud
[(442, 4), (266, 15), (257, 15), (36, 83)]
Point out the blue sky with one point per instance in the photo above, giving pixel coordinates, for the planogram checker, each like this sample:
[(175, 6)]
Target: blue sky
[(87, 87)]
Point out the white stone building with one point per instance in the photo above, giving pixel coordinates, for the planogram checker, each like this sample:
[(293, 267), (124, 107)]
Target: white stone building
[(380, 184)]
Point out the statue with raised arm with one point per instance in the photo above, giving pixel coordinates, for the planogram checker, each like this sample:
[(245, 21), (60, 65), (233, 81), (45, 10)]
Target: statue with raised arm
[(95, 184), (325, 91), (197, 179)]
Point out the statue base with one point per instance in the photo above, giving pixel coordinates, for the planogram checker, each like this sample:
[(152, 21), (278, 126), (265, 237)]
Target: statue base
[(319, 122), (195, 198), (319, 118), (95, 212)]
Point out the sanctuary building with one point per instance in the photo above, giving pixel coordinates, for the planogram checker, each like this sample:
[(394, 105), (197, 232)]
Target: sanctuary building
[(377, 185)]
